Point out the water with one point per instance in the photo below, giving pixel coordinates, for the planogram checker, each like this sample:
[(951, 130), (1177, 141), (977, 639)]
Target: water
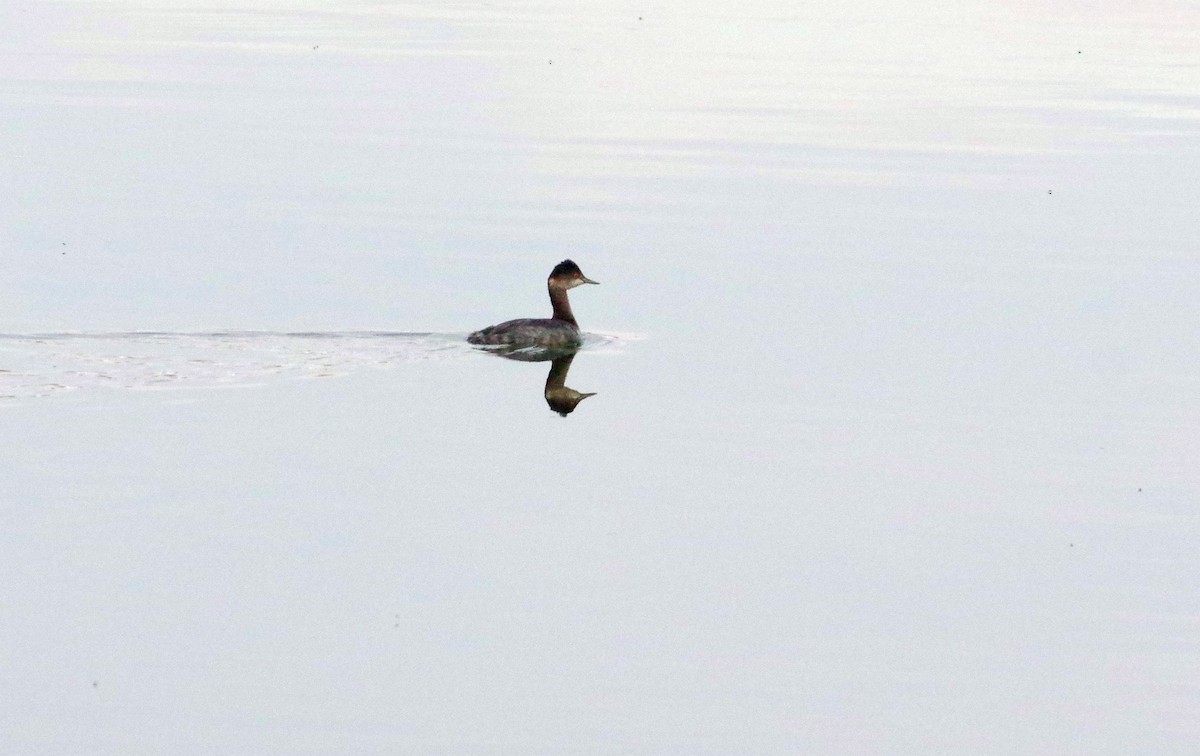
[(892, 440)]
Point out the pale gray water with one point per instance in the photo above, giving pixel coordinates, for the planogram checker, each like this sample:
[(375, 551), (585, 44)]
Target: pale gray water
[(894, 436), (38, 365)]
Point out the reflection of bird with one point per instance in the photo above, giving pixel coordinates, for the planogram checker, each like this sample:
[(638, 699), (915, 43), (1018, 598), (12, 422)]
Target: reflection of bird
[(559, 330), (561, 399)]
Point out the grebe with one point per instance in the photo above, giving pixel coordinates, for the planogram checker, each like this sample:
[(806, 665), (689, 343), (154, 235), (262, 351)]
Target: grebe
[(559, 330)]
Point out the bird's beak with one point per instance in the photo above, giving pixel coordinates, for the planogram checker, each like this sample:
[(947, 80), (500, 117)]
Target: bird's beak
[(585, 279)]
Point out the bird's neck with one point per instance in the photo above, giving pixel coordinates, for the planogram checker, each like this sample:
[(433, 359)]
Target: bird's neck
[(561, 305)]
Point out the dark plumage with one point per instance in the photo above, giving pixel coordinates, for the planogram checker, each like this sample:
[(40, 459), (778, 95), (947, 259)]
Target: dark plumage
[(560, 329)]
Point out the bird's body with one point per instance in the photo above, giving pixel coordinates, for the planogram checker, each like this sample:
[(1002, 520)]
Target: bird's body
[(559, 330)]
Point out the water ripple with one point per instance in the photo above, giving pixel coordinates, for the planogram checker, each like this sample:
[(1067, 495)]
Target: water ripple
[(45, 364)]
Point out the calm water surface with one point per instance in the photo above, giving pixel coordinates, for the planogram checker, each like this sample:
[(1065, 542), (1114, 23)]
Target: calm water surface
[(893, 441)]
